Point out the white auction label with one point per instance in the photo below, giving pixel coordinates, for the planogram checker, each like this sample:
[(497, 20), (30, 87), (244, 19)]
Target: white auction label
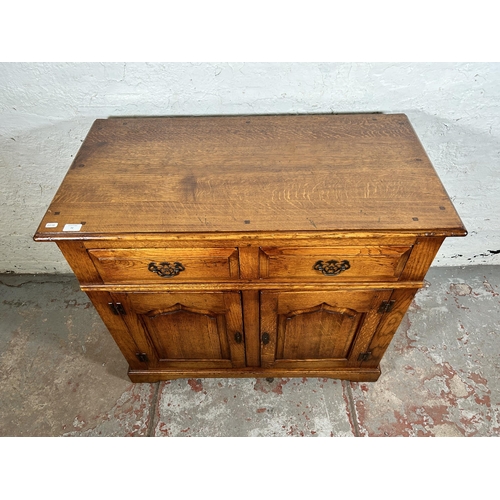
[(51, 224), (72, 227)]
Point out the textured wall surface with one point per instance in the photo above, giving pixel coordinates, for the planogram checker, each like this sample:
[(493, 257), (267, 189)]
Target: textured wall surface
[(46, 109)]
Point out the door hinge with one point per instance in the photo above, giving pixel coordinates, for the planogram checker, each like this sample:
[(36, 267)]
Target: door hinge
[(142, 357), (364, 356), (117, 308), (386, 306)]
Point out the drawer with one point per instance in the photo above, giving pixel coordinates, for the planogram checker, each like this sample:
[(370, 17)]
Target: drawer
[(346, 263), (140, 265)]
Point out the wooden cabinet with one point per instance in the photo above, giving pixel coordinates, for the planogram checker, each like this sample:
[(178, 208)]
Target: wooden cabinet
[(251, 246)]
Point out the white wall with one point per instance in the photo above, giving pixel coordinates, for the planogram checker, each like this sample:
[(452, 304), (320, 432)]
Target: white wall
[(46, 110)]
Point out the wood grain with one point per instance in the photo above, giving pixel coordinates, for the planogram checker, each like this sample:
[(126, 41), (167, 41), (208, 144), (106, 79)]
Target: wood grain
[(132, 265), (318, 330), (354, 374), (186, 331), (366, 263), (251, 315), (389, 325), (76, 256), (247, 206), (117, 328), (421, 258), (258, 173)]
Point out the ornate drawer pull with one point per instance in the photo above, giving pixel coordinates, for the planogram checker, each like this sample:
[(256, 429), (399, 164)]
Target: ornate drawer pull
[(332, 267), (165, 269)]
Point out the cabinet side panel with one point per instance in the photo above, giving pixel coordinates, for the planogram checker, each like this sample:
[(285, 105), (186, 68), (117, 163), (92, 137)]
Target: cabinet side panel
[(389, 325), (368, 328), (421, 257), (116, 328), (80, 262), (315, 335), (185, 334)]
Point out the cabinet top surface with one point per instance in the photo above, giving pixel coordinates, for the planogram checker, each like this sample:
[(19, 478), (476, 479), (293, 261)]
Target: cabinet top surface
[(362, 173)]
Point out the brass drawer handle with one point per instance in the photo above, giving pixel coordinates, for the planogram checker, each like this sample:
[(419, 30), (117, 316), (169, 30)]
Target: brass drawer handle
[(332, 267), (165, 269)]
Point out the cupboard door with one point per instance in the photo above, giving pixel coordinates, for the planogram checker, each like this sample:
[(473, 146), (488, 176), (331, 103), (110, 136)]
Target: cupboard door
[(322, 330), (185, 330)]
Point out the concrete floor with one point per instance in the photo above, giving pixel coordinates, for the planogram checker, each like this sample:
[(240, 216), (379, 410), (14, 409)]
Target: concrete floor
[(62, 375)]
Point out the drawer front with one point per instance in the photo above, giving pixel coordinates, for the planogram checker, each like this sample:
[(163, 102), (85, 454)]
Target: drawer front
[(160, 265), (351, 263)]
